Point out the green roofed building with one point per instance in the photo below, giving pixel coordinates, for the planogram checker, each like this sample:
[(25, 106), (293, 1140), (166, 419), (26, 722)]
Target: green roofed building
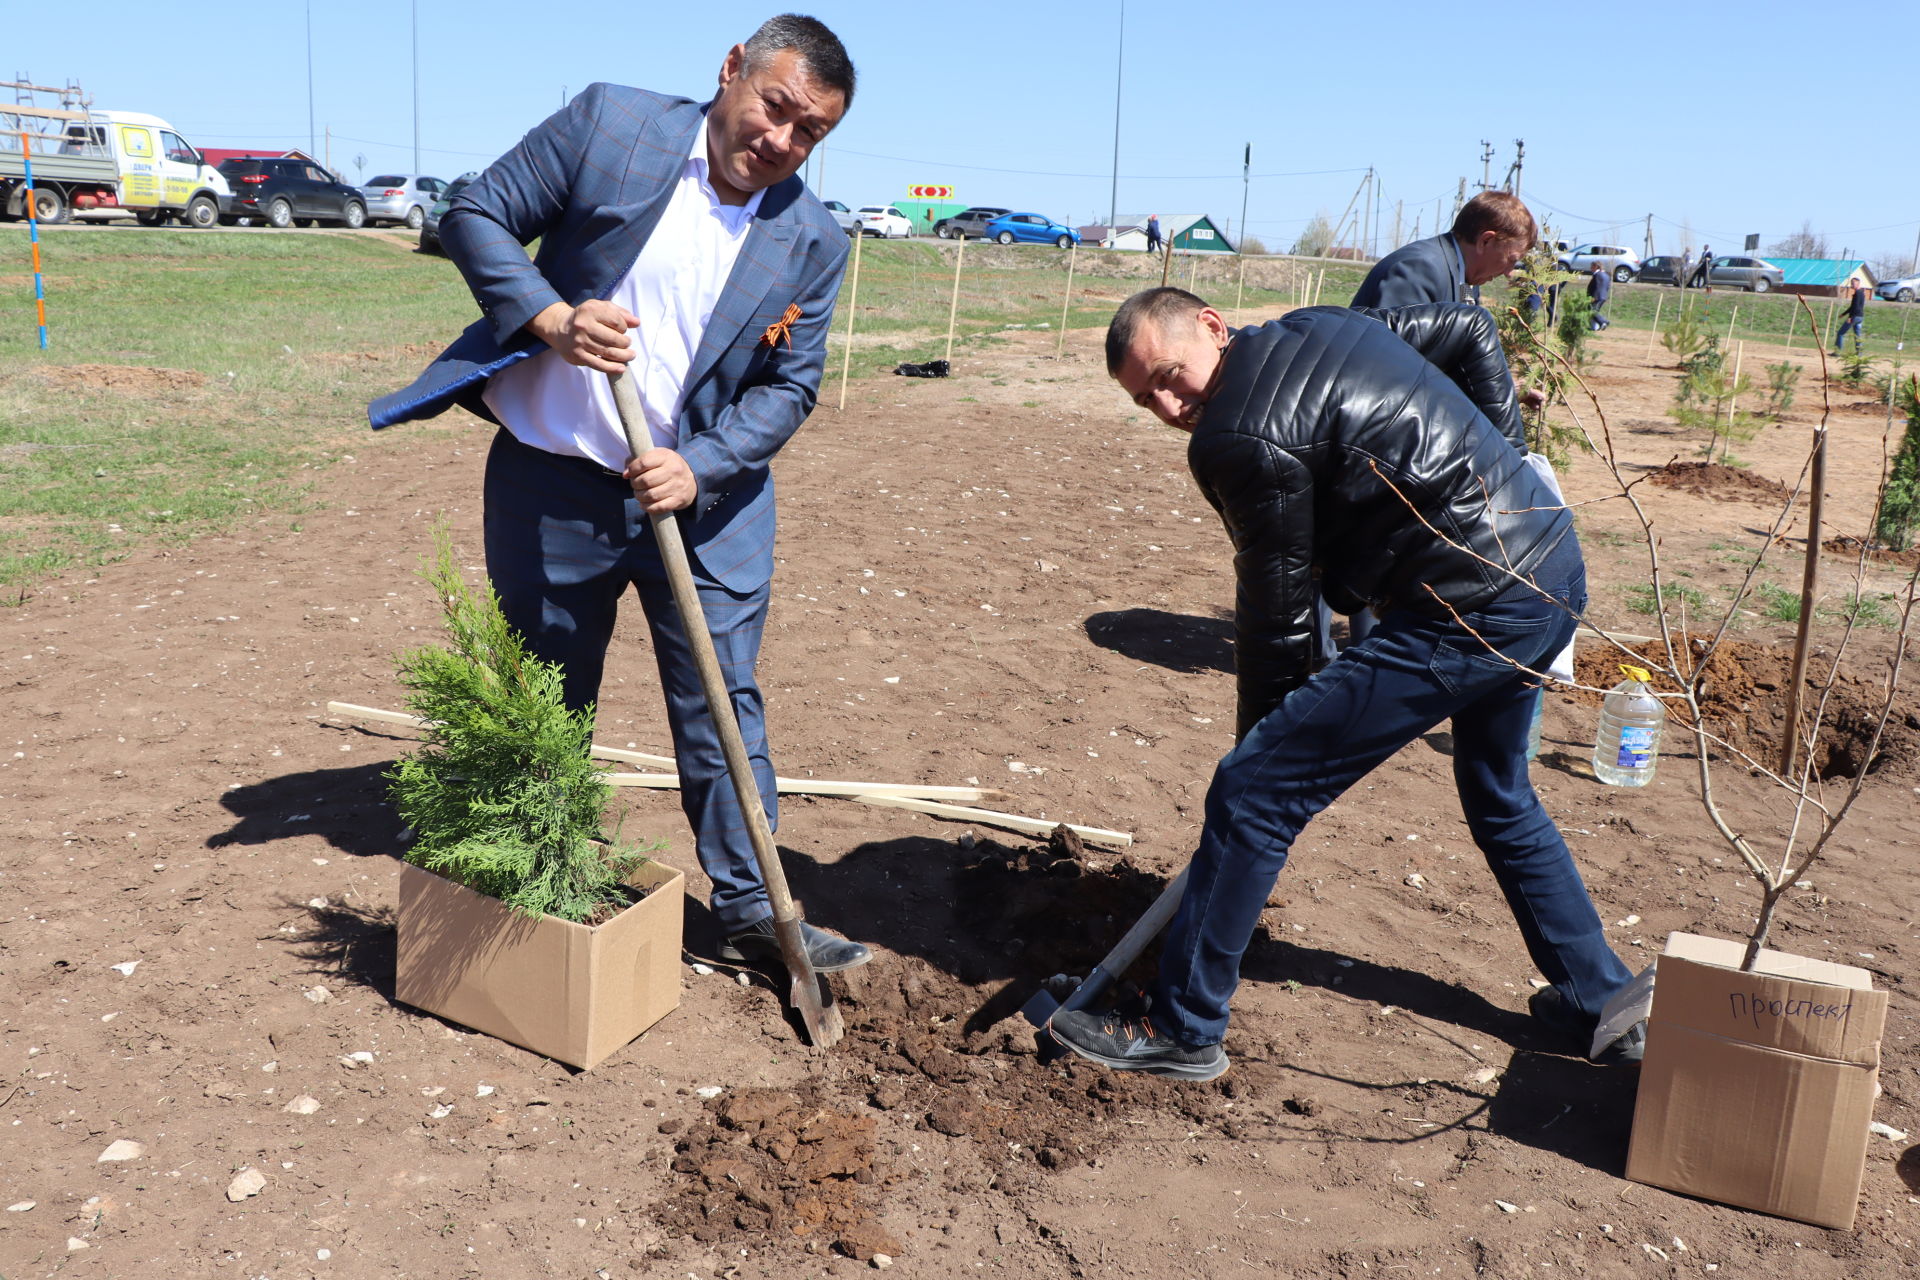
[(1822, 277)]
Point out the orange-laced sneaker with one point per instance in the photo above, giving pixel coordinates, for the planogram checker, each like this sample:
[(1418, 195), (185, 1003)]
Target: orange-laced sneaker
[(1132, 1044)]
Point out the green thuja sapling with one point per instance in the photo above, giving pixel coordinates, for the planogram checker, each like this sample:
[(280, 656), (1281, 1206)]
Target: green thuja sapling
[(503, 798)]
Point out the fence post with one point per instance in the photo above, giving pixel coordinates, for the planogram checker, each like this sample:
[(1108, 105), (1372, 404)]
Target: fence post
[(33, 236), (853, 298), (953, 308), (1658, 303), (1060, 347)]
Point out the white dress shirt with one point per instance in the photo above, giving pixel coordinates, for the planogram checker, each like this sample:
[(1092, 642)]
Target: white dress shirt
[(672, 287)]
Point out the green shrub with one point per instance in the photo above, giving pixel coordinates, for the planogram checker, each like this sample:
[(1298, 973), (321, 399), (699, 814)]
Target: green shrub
[(503, 797), (1898, 515)]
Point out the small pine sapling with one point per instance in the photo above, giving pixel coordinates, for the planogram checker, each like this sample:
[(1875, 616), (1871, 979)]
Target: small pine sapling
[(1783, 380), (503, 797), (1898, 516)]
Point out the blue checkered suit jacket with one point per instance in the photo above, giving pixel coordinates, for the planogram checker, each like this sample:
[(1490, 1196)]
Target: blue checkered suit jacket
[(591, 183)]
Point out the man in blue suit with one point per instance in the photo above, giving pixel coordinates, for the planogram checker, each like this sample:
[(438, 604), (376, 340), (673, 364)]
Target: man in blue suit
[(676, 245), (1491, 233)]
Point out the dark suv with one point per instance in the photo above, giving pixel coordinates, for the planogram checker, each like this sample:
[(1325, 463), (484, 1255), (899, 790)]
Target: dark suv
[(971, 222), (288, 192)]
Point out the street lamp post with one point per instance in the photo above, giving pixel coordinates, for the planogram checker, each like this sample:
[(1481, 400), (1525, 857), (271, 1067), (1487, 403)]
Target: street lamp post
[(1119, 63)]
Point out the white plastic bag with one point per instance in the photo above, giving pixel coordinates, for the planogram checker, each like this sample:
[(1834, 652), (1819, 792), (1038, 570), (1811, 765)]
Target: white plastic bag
[(1561, 668), (1630, 1004)]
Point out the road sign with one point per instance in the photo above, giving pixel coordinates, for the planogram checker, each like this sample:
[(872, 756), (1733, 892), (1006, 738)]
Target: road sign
[(930, 191)]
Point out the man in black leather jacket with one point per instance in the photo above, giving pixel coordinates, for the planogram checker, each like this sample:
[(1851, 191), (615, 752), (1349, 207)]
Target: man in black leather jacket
[(1380, 454)]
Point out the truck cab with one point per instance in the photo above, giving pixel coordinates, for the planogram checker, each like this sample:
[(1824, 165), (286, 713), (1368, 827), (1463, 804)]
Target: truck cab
[(161, 175)]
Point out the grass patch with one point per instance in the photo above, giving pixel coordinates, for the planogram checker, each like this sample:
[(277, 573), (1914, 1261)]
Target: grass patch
[(1778, 603), (194, 381), (1640, 599)]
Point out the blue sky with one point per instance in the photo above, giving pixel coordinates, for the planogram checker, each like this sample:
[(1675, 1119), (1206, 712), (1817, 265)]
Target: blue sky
[(1732, 124)]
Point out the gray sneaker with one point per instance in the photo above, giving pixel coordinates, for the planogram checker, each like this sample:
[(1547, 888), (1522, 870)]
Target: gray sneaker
[(1132, 1044)]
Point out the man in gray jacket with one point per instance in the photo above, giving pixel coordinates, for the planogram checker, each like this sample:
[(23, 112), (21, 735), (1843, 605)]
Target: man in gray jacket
[(1492, 232)]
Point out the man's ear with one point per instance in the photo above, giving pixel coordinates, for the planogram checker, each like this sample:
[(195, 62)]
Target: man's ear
[(735, 63)]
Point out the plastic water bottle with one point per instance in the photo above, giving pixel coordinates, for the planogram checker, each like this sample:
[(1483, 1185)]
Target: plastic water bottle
[(1533, 729), (1627, 748)]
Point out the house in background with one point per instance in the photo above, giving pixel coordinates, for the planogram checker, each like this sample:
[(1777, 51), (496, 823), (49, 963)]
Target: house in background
[(1186, 232), (215, 155), (1823, 277)]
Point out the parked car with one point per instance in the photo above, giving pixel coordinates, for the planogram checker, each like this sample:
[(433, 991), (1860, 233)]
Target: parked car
[(1030, 228), (400, 197), (1660, 270), (968, 222), (285, 192), (1905, 289), (1623, 262), (849, 220), (883, 220), (1756, 275), (430, 227)]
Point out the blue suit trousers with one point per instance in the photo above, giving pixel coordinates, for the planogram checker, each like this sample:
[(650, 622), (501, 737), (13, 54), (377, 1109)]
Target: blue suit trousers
[(565, 538)]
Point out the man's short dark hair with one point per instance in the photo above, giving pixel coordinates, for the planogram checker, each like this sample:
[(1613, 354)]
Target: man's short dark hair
[(820, 51), (1498, 211), (1149, 306)]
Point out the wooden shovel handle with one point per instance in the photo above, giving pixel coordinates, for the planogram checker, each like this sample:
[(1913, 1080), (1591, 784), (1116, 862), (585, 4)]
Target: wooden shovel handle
[(673, 552)]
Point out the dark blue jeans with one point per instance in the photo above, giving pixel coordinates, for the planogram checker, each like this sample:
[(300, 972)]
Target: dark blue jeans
[(1411, 673), (565, 540), (1856, 325)]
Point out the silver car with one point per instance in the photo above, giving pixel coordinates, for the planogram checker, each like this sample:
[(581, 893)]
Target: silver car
[(400, 197), (1621, 261), (1900, 289), (1756, 275)]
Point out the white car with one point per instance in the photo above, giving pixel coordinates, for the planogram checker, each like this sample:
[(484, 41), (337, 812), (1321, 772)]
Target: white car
[(1621, 261), (883, 220)]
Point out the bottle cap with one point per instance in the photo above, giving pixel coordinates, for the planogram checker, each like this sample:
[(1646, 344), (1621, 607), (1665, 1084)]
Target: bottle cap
[(1641, 674)]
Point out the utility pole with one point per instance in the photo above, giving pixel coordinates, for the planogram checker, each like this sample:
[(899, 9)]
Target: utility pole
[(1519, 163), (1373, 245), (1246, 179), (1913, 267), (1119, 65), (311, 147), (1486, 164), (1649, 252), (1396, 224), (1459, 198), (416, 85)]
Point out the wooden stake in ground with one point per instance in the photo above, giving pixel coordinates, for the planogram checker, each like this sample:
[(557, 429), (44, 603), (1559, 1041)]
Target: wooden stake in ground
[(1059, 348), (953, 307), (1658, 303), (1739, 354), (1730, 320), (853, 297), (1832, 307), (1792, 321), (1166, 261)]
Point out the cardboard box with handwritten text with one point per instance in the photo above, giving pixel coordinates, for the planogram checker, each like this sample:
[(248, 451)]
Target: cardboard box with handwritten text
[(1758, 1087)]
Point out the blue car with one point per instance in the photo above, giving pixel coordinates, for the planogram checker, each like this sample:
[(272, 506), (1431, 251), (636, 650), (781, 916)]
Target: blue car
[(1029, 228)]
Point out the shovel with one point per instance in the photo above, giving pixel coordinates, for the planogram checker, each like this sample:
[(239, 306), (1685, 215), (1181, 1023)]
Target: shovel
[(812, 997), (1043, 1005)]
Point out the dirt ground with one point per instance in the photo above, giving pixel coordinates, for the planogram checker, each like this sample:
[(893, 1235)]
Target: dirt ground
[(1005, 577)]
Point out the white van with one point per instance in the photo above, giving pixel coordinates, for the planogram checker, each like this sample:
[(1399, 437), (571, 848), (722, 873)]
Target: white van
[(162, 175)]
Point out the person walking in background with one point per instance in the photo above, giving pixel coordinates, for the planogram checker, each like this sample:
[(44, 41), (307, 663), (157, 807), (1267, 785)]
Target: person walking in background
[(1153, 233), (677, 246), (1599, 289), (1854, 321), (1703, 274), (1684, 269)]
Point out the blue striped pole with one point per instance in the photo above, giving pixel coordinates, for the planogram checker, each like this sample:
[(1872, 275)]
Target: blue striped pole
[(33, 235)]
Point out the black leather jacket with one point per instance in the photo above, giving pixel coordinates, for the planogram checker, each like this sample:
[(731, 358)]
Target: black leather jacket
[(1354, 446)]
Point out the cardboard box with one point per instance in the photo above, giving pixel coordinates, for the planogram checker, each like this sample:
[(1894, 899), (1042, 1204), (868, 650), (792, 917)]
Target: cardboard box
[(1757, 1088), (564, 990)]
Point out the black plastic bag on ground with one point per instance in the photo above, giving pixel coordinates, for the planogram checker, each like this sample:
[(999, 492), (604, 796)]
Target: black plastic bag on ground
[(931, 369)]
